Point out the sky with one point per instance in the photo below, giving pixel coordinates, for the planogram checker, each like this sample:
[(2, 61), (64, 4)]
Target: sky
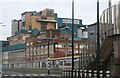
[(84, 9)]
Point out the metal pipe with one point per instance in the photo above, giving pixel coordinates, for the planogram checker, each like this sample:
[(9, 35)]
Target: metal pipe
[(98, 42)]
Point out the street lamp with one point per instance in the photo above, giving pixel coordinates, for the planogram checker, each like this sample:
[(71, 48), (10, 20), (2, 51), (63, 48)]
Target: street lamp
[(98, 42), (72, 37)]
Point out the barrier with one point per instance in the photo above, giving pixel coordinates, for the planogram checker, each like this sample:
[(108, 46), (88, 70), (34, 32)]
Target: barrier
[(85, 73)]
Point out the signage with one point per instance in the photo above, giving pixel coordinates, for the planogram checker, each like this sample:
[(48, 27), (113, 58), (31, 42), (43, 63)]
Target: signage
[(69, 21), (48, 64)]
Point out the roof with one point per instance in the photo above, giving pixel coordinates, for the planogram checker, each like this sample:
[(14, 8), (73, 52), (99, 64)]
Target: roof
[(79, 38), (69, 18), (14, 47), (23, 31), (27, 12), (94, 24), (35, 32), (66, 31)]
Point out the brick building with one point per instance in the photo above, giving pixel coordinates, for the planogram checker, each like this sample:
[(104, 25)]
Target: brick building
[(42, 20), (38, 51)]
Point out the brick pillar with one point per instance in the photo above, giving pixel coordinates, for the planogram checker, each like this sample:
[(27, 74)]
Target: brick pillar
[(116, 45)]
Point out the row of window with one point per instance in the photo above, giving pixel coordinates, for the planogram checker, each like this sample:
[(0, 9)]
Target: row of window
[(51, 47)]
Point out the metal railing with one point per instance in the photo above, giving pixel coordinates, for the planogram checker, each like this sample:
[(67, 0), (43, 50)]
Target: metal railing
[(85, 74)]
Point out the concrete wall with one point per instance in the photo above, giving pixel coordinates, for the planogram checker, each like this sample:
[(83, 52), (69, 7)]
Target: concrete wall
[(117, 57)]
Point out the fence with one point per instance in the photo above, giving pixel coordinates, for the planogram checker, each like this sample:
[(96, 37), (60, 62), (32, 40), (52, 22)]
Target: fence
[(85, 74)]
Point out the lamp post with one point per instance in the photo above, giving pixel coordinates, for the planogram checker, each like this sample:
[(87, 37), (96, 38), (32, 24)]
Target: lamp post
[(98, 42), (72, 37)]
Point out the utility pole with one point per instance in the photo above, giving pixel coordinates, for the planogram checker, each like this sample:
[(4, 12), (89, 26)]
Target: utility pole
[(98, 42), (72, 37)]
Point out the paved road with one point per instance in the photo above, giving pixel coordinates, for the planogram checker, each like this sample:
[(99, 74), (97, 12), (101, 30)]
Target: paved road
[(8, 74)]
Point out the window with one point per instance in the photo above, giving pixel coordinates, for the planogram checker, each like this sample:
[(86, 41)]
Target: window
[(27, 44), (43, 26), (49, 13), (27, 49), (30, 28), (31, 48), (31, 43), (67, 64), (23, 18), (61, 62)]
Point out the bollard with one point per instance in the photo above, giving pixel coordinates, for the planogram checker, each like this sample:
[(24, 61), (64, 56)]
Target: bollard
[(101, 74), (89, 73), (62, 72), (69, 74), (73, 73), (80, 73), (65, 73), (77, 72), (95, 74), (108, 74), (85, 73)]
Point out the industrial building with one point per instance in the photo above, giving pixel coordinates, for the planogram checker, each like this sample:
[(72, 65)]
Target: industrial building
[(39, 34)]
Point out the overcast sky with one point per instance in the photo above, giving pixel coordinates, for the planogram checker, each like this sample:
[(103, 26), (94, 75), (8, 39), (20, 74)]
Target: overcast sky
[(84, 9)]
